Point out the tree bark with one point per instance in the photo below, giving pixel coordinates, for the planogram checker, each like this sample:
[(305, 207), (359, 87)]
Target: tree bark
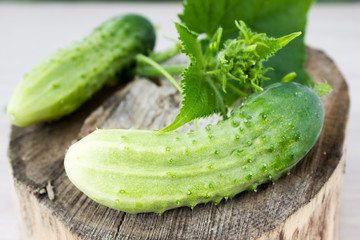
[(302, 205)]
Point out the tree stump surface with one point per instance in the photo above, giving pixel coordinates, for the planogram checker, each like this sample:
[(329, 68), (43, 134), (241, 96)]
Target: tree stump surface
[(302, 205)]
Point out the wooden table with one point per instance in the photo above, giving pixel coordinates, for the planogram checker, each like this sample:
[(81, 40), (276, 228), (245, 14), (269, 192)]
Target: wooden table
[(29, 32)]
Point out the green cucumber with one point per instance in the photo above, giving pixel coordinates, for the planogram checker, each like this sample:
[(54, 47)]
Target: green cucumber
[(62, 82), (141, 171)]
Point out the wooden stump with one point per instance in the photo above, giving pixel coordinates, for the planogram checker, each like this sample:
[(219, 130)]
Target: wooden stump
[(303, 205)]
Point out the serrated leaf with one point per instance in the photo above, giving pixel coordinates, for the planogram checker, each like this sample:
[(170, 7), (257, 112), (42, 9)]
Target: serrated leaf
[(274, 44), (276, 18), (201, 98)]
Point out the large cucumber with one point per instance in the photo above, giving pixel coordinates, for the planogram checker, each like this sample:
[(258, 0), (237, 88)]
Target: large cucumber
[(141, 171), (62, 82)]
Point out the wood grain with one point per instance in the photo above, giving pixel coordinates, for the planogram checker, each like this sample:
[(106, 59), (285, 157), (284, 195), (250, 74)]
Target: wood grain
[(303, 205)]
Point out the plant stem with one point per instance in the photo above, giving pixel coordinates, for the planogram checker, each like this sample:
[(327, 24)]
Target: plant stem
[(236, 90), (195, 124), (144, 59), (154, 72), (161, 57), (232, 87)]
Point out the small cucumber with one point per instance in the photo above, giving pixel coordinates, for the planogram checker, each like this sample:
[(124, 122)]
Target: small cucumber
[(141, 171), (66, 79)]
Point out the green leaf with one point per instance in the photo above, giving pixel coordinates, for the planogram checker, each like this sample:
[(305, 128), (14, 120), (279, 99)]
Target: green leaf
[(201, 97), (276, 18)]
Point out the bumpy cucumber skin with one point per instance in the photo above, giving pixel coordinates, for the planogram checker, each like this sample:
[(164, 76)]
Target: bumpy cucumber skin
[(62, 82), (139, 171)]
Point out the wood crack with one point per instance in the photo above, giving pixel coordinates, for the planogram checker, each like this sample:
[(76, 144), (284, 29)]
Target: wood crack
[(119, 225)]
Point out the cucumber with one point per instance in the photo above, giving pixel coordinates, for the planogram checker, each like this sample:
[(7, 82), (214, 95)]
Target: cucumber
[(62, 82), (141, 171)]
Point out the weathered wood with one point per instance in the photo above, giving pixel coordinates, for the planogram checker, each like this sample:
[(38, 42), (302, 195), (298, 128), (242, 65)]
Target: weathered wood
[(303, 205)]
